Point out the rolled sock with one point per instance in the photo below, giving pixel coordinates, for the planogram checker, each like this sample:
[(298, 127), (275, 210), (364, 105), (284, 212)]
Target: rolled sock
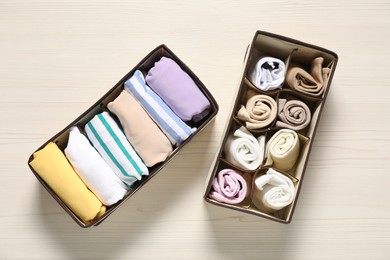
[(282, 150), (312, 84), (293, 114), (173, 127), (259, 112), (111, 143), (51, 165), (273, 191), (228, 187), (93, 170), (244, 150), (144, 135), (178, 90), (268, 73)]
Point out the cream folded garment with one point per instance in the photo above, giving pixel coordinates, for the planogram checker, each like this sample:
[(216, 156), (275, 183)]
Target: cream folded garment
[(259, 111), (293, 114), (111, 143), (93, 170), (282, 150), (273, 191), (53, 167), (268, 73), (242, 149), (144, 135), (314, 83), (229, 187)]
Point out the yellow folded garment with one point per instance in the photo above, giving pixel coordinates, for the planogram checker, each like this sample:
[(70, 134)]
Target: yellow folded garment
[(53, 167)]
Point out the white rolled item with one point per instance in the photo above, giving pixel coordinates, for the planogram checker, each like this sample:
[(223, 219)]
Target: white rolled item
[(268, 73)]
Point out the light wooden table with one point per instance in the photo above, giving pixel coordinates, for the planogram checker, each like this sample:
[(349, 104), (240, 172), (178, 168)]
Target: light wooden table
[(58, 57)]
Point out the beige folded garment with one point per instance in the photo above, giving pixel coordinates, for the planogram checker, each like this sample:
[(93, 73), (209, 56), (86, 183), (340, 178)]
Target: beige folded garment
[(313, 83), (143, 134), (282, 150), (259, 111), (293, 114)]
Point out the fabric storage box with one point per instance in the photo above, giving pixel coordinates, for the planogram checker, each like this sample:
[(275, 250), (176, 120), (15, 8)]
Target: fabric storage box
[(145, 65), (288, 72)]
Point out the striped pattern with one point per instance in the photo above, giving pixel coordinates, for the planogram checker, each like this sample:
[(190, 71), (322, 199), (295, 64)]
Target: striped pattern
[(112, 145), (174, 128)]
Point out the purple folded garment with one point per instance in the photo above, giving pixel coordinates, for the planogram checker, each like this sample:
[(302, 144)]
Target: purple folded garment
[(178, 90), (229, 187)]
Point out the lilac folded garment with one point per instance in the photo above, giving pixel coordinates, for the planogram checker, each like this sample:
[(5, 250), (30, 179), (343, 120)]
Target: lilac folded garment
[(178, 90), (229, 187)]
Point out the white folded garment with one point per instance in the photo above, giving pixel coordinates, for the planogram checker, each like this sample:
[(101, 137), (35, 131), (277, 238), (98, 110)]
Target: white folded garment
[(93, 170), (268, 73), (273, 191), (111, 143), (243, 150)]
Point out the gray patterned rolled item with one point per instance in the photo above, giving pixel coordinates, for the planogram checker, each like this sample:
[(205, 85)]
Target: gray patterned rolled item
[(293, 114)]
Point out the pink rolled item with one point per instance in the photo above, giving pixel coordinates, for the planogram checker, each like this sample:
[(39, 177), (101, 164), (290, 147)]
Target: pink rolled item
[(312, 84), (293, 114), (229, 187)]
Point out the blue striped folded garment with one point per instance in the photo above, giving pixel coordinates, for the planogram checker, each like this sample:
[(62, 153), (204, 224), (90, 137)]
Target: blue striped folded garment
[(173, 127), (111, 143)]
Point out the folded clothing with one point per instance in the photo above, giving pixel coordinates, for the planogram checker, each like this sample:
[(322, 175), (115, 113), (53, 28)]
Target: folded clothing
[(242, 149), (143, 134), (268, 73), (259, 111), (93, 170), (173, 127), (178, 90), (273, 191), (293, 114), (314, 83), (111, 143), (229, 187), (282, 150), (51, 165)]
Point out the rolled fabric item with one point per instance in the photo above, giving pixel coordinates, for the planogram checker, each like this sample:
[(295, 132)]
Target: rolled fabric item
[(242, 149), (173, 127), (143, 134), (259, 112), (111, 143), (314, 83), (53, 167), (93, 170), (273, 191), (268, 73), (178, 90), (282, 150), (229, 187), (293, 114)]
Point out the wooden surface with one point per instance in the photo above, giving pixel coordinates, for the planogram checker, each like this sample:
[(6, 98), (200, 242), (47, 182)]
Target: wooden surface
[(58, 57)]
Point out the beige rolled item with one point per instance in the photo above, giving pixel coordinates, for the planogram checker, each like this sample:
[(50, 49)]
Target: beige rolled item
[(293, 114), (259, 112), (282, 150), (314, 83), (143, 134)]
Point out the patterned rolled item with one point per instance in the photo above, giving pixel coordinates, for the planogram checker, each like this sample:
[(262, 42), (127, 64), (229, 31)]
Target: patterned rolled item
[(173, 127), (268, 73), (282, 150), (143, 134), (293, 114), (272, 192), (312, 84), (229, 187), (259, 112), (93, 170), (178, 90), (242, 149), (111, 143), (53, 167)]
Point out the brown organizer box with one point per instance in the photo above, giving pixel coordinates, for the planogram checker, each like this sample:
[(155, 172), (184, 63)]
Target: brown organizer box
[(292, 53), (145, 65)]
